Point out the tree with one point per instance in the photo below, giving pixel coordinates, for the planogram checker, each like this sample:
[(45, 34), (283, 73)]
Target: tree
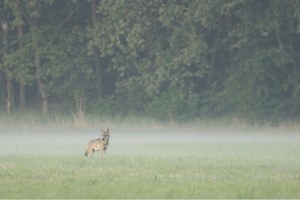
[(97, 61), (10, 99), (19, 56), (261, 61), (31, 12), (171, 60)]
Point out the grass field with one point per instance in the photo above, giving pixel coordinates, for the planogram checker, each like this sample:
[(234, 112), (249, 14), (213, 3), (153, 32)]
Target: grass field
[(178, 169)]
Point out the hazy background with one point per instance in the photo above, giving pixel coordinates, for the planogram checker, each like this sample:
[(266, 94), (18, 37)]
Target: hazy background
[(74, 142)]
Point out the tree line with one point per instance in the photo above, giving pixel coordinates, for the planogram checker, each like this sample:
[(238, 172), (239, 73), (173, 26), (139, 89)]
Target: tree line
[(166, 59)]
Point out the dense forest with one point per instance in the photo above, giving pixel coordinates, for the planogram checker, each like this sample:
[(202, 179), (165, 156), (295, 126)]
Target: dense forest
[(171, 60)]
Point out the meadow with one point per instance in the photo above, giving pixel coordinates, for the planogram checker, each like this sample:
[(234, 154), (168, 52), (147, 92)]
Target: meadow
[(45, 166)]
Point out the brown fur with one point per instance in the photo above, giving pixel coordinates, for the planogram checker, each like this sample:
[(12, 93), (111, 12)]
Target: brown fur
[(99, 144)]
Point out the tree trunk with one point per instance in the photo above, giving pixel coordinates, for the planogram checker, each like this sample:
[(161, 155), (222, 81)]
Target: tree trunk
[(10, 99), (22, 96), (213, 58), (37, 60), (98, 71), (21, 85), (38, 73), (80, 107)]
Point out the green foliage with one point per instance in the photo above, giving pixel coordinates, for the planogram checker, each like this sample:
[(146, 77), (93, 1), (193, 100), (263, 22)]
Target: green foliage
[(164, 59)]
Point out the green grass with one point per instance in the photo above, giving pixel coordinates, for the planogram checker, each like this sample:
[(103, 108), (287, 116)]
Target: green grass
[(207, 170)]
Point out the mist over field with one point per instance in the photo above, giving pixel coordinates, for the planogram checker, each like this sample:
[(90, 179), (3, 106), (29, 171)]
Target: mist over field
[(63, 141), (147, 162)]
